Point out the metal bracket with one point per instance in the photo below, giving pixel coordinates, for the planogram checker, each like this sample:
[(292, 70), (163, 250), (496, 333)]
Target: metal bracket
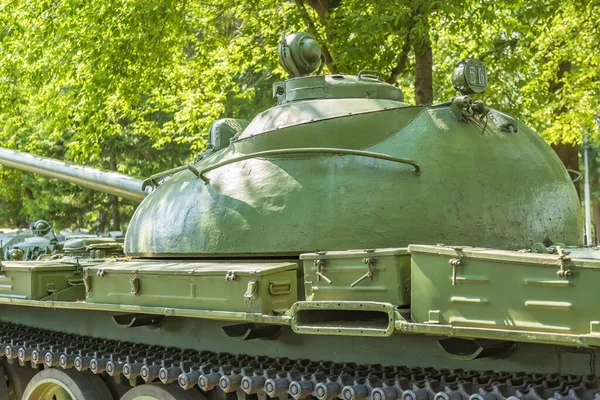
[(461, 108), (241, 332), (469, 349), (369, 262), (135, 320), (135, 285), (562, 259), (455, 263), (320, 264), (504, 122), (154, 180)]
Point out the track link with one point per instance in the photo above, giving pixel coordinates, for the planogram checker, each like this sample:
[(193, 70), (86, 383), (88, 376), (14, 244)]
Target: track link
[(280, 378)]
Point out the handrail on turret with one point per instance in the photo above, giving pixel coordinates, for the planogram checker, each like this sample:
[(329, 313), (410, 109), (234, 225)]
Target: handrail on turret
[(578, 175), (308, 150), (154, 180)]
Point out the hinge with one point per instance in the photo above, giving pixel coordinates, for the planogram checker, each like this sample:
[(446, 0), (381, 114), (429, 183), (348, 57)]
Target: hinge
[(230, 276), (562, 259), (454, 263)]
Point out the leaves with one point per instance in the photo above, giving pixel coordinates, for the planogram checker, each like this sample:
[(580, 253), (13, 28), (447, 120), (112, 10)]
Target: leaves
[(82, 79)]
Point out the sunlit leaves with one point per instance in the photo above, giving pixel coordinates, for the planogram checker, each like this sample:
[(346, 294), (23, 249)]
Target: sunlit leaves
[(145, 79), (542, 60)]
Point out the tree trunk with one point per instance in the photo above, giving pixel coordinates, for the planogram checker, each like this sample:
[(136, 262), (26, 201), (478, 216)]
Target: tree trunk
[(569, 155), (567, 152), (322, 8), (102, 220), (114, 200), (423, 55), (596, 227), (424, 75)]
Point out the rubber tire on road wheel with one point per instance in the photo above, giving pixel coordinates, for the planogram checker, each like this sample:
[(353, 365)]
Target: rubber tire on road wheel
[(83, 386), (18, 377), (162, 392), (3, 386)]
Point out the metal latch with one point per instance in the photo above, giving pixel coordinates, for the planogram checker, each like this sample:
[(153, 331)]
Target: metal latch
[(251, 290), (320, 264), (369, 262), (87, 282), (135, 285), (455, 263)]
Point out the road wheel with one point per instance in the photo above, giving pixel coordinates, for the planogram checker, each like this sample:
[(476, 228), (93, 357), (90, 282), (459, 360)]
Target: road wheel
[(56, 384), (16, 379), (162, 392)]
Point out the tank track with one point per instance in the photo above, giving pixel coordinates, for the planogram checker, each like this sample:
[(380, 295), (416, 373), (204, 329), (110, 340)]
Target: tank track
[(280, 377)]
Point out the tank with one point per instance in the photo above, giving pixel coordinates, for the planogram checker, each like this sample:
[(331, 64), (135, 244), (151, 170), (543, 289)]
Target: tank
[(10, 236), (343, 244), (29, 244)]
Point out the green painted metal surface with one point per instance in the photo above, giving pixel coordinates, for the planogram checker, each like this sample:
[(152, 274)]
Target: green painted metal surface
[(496, 185), (34, 281), (495, 289), (409, 350), (258, 230), (265, 288), (483, 188), (370, 275)]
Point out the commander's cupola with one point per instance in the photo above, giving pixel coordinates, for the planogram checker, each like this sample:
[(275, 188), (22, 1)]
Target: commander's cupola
[(300, 55)]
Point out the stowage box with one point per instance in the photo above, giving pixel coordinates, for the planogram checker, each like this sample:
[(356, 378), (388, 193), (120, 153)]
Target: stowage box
[(35, 280), (497, 289), (266, 288), (381, 275)]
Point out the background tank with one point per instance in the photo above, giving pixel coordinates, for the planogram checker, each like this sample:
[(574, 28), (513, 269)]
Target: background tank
[(9, 237), (29, 244)]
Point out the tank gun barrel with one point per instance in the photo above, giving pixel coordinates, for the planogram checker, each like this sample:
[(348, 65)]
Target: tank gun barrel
[(110, 182)]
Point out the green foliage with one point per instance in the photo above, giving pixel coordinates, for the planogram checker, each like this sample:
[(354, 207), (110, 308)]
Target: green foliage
[(142, 81), (82, 80), (542, 61)]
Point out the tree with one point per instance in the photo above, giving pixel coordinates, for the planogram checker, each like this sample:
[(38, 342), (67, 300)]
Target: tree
[(134, 86)]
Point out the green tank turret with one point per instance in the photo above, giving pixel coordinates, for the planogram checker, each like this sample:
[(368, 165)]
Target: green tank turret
[(300, 257), (343, 153)]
